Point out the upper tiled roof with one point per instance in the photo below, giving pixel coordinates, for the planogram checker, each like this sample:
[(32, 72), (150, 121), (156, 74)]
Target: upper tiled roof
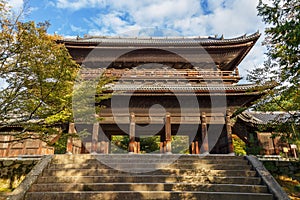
[(225, 54), (162, 41)]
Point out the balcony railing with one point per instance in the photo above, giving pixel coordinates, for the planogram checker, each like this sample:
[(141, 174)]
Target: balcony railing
[(158, 74)]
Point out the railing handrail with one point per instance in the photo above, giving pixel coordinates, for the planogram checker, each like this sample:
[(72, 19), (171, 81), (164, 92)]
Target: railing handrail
[(163, 73)]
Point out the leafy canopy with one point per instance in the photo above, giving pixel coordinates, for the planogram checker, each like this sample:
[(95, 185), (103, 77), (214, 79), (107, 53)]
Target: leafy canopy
[(38, 76), (283, 64)]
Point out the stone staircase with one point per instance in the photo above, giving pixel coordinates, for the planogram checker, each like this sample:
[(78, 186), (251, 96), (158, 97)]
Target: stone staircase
[(136, 176)]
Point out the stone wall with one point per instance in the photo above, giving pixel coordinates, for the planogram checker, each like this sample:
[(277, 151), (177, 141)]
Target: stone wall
[(278, 167), (13, 171)]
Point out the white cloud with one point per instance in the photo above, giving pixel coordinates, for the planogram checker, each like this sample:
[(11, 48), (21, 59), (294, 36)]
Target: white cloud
[(77, 29), (79, 4), (16, 5), (188, 18)]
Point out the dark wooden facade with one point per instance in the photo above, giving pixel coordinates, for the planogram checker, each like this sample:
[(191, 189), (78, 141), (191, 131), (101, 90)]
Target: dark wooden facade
[(159, 71)]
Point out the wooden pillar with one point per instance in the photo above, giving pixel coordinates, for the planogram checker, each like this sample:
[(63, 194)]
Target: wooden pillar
[(104, 143), (132, 144), (24, 147), (194, 145), (138, 145), (229, 132), (205, 145), (162, 143), (168, 133), (7, 145), (40, 148), (95, 137), (72, 130)]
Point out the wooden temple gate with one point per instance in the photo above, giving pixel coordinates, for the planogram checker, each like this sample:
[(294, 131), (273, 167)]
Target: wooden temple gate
[(154, 71)]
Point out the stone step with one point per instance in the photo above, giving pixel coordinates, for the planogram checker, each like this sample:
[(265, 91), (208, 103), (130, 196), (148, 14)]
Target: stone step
[(146, 171), (148, 187), (128, 155), (153, 167), (85, 158), (130, 195), (150, 179), (152, 161)]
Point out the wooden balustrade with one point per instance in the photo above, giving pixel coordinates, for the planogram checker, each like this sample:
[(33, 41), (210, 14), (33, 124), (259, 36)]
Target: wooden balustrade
[(165, 73), (153, 74)]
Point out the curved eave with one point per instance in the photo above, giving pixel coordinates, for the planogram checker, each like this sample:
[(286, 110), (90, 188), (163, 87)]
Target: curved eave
[(226, 53), (187, 90), (154, 42)]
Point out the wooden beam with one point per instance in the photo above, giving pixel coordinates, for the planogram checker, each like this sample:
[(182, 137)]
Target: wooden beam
[(132, 144), (229, 132), (168, 133), (95, 137), (205, 145)]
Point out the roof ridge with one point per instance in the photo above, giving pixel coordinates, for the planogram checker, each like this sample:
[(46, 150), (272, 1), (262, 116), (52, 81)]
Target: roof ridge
[(162, 38)]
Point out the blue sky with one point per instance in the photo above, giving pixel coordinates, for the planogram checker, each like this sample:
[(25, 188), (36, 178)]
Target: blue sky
[(230, 18)]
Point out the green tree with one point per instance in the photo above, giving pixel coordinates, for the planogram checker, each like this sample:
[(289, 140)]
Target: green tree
[(239, 146), (282, 68), (39, 75)]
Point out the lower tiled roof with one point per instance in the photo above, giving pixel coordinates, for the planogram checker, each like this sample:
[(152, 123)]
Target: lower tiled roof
[(181, 88), (255, 117)]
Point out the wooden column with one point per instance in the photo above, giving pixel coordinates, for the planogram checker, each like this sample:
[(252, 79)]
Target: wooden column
[(7, 145), (24, 147), (132, 144), (229, 132), (71, 131), (138, 145), (162, 143), (205, 145), (95, 137), (40, 148), (194, 145), (168, 133), (104, 143)]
